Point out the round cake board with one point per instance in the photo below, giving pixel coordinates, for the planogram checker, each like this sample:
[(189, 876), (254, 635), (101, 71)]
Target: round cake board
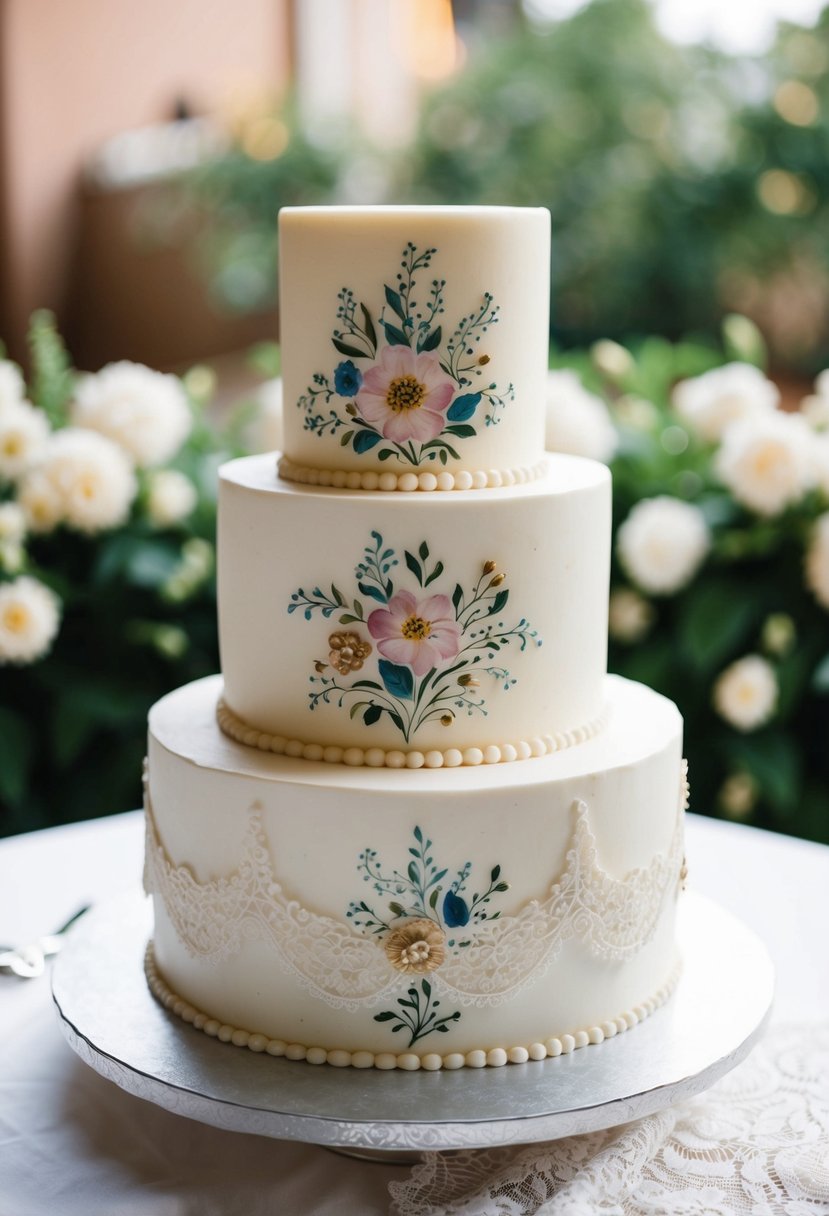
[(712, 1021)]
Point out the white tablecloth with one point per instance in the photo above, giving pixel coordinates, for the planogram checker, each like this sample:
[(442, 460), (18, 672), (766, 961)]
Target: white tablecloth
[(72, 1144)]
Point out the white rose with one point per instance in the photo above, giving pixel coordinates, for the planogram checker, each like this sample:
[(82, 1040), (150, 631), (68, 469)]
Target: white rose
[(578, 422), (23, 435), (662, 544), (143, 411), (91, 480), (12, 523), (12, 386), (266, 432), (171, 497), (767, 463), (630, 617), (29, 618), (12, 556), (817, 561), (746, 693), (711, 402), (611, 359)]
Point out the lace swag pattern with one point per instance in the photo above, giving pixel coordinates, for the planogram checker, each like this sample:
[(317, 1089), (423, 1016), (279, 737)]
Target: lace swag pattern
[(613, 917)]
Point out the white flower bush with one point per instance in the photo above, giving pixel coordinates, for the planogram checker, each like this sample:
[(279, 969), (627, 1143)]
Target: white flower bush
[(662, 544), (745, 694), (630, 616), (144, 411), (24, 432), (578, 422), (29, 619), (12, 386), (817, 561), (82, 479), (171, 497), (711, 402), (266, 431), (767, 463), (815, 407), (12, 523)]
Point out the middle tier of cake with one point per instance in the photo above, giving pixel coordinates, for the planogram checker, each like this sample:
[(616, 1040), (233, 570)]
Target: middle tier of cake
[(408, 629)]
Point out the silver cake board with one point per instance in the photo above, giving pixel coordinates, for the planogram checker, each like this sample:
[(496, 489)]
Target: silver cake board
[(714, 1018)]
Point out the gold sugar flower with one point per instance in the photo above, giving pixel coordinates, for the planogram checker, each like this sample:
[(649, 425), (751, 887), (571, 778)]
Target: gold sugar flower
[(416, 946), (348, 652)]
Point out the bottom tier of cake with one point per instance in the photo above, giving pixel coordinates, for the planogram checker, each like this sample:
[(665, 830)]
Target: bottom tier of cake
[(429, 918)]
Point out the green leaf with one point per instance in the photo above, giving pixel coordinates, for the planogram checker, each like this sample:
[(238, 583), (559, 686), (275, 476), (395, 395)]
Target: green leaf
[(457, 596), (820, 676), (714, 621), (395, 303), (431, 341), (72, 728), (775, 761), (345, 439), (436, 573), (394, 336), (16, 755), (462, 431), (52, 380), (423, 551), (372, 715), (151, 563), (371, 332), (386, 1016), (414, 565), (499, 602), (353, 351)]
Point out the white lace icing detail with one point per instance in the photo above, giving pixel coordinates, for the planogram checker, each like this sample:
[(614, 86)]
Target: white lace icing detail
[(757, 1144), (613, 917)]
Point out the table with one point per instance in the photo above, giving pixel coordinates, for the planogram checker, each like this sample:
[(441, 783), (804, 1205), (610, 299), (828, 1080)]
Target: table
[(72, 1144)]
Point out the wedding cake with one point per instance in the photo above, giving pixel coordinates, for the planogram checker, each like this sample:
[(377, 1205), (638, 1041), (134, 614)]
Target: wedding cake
[(414, 824)]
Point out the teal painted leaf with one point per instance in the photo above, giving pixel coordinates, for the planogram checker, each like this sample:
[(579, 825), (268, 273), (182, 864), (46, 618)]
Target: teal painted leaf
[(394, 336), (394, 302), (463, 407), (431, 340), (372, 592), (398, 680), (345, 349), (364, 441)]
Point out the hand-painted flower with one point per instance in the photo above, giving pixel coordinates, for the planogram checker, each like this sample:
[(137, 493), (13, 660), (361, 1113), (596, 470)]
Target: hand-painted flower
[(347, 379), (422, 635), (416, 946), (406, 395)]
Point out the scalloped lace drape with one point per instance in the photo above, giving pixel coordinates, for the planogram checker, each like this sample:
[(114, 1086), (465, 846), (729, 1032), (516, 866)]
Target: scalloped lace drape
[(757, 1144)]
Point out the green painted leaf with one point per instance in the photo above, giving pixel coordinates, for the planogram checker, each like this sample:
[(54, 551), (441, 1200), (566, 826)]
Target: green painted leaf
[(436, 573), (371, 332), (424, 551), (345, 349), (461, 431), (431, 341), (394, 336), (345, 439), (372, 715), (500, 601), (395, 302), (457, 596), (386, 1016), (398, 680), (414, 565)]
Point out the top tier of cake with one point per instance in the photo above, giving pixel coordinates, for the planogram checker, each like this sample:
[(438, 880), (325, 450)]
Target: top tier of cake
[(414, 345)]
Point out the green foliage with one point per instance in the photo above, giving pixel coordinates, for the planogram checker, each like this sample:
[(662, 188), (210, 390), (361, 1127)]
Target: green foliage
[(138, 618)]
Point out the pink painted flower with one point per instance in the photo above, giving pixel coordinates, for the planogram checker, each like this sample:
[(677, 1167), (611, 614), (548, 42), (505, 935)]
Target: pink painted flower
[(422, 635), (406, 395)]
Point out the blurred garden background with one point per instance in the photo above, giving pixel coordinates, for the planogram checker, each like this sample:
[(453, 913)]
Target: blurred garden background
[(683, 150)]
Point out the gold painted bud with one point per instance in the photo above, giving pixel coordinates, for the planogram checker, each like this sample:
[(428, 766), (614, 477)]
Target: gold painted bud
[(447, 719), (319, 667), (489, 567), (467, 681), (499, 578), (483, 360)]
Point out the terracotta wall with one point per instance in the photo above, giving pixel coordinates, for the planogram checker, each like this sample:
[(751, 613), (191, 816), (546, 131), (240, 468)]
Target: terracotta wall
[(72, 73)]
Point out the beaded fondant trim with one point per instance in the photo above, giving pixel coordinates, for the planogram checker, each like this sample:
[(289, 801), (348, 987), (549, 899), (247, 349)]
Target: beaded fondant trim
[(377, 757), (410, 1061), (408, 483)]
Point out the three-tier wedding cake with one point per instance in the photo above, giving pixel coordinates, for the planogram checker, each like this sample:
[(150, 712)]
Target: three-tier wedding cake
[(414, 823)]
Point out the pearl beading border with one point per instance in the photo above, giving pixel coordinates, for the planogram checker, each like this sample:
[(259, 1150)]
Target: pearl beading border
[(494, 1057), (409, 483), (377, 757)]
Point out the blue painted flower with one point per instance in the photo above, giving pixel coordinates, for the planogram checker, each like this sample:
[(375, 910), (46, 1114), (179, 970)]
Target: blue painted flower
[(455, 911), (347, 379)]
